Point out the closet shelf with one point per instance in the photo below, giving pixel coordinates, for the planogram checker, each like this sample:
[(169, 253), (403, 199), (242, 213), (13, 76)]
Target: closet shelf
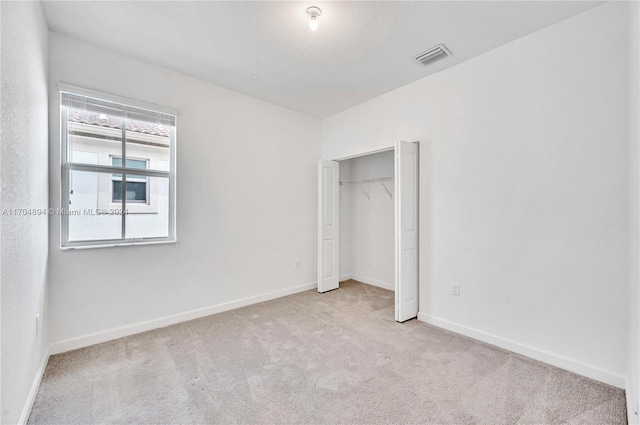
[(380, 180)]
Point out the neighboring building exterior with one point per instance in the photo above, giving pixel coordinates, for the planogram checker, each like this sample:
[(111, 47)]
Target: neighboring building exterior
[(95, 198)]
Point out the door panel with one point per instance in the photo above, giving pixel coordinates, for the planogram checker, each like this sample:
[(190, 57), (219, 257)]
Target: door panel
[(406, 230), (328, 225)]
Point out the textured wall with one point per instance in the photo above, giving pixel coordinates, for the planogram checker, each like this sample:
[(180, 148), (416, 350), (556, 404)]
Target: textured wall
[(345, 220), (523, 189), (24, 184)]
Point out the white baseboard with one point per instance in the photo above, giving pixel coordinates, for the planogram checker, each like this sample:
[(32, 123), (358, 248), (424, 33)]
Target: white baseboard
[(575, 366), (31, 398), (103, 336), (374, 282), (344, 277)]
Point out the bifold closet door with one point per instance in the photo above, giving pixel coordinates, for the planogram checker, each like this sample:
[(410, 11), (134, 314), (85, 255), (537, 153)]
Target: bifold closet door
[(406, 216), (328, 225)]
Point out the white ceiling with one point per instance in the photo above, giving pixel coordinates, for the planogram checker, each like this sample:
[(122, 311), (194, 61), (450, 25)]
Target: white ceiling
[(266, 50)]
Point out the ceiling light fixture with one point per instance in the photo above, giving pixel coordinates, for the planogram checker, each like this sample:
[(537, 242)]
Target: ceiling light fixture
[(314, 12)]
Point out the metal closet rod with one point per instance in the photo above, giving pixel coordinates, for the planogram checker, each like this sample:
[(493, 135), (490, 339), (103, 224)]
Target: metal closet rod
[(381, 179)]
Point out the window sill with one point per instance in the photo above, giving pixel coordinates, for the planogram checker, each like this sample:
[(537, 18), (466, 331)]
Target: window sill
[(117, 244)]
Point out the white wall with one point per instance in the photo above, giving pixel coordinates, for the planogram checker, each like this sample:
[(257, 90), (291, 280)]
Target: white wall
[(345, 221), (23, 178), (246, 205), (368, 225), (633, 348), (523, 190)]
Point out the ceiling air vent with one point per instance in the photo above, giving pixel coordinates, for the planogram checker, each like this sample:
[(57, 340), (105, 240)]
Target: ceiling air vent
[(433, 54)]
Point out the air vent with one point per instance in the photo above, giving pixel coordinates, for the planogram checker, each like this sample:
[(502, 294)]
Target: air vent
[(433, 54)]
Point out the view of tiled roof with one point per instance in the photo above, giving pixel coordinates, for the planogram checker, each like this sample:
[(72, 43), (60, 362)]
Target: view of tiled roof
[(102, 120)]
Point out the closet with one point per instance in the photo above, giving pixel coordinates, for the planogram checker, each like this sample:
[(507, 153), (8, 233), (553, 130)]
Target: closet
[(368, 223), (367, 245)]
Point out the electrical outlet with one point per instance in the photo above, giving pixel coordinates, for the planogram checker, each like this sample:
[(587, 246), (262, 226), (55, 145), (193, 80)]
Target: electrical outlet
[(37, 323), (297, 264), (455, 289)]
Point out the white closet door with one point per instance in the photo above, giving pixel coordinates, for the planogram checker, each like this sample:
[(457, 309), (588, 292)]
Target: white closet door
[(406, 189), (328, 225)]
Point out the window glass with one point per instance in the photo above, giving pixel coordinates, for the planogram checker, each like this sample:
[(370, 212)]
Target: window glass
[(148, 140), (136, 189), (86, 220), (99, 207), (93, 132), (147, 225)]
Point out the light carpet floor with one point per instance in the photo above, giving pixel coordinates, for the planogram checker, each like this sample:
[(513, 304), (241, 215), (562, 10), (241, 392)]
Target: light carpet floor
[(314, 358)]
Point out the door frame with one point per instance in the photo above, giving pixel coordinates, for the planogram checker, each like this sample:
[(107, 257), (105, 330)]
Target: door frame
[(396, 230), (344, 158)]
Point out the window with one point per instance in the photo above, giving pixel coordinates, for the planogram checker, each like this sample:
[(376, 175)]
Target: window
[(136, 185), (118, 171)]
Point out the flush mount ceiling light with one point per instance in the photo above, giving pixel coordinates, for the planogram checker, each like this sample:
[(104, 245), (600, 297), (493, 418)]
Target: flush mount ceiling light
[(314, 12)]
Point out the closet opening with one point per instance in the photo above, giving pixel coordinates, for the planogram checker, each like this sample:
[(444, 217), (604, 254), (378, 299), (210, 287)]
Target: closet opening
[(368, 223)]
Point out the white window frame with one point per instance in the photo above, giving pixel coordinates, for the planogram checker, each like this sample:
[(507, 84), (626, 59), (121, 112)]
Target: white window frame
[(68, 166)]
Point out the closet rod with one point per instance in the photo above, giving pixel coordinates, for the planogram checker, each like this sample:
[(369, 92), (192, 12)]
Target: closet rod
[(381, 179)]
